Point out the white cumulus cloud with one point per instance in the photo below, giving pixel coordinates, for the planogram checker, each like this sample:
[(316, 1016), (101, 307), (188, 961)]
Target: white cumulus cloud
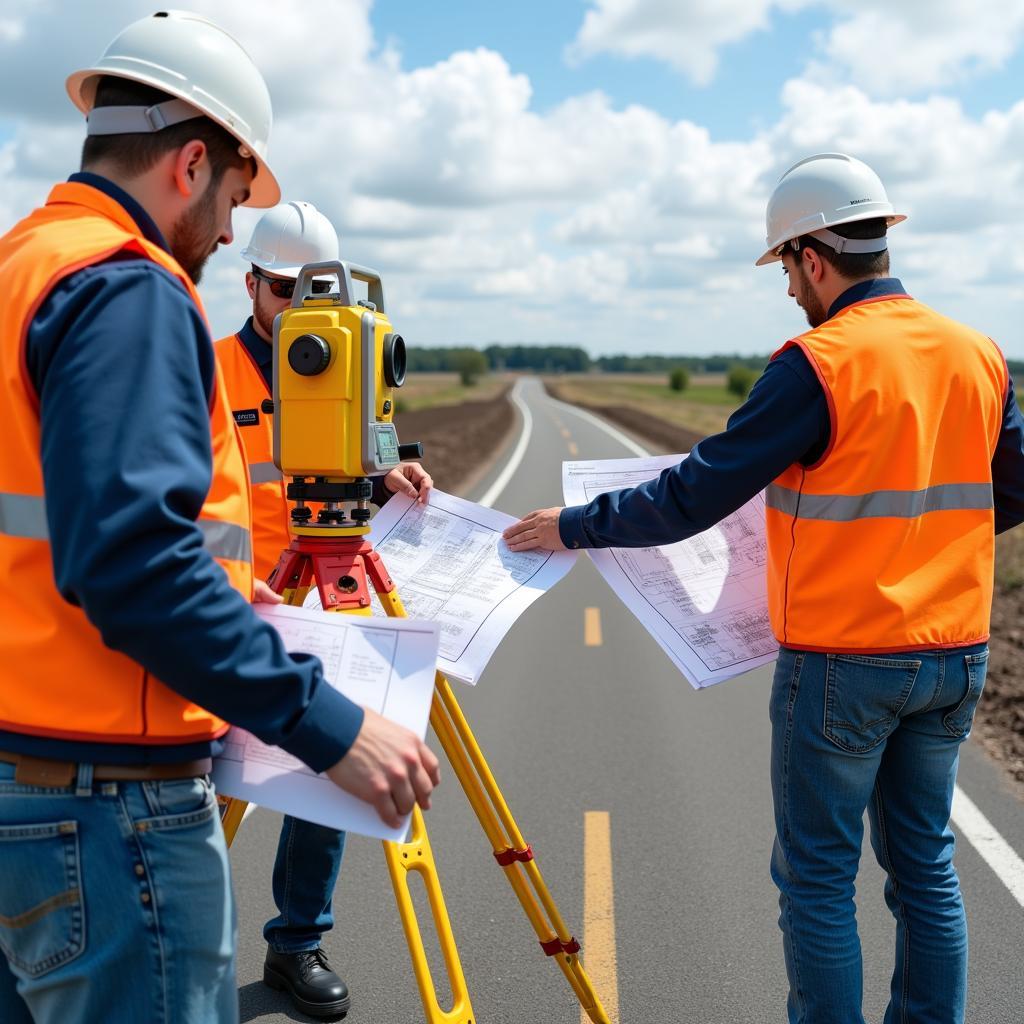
[(493, 221), (885, 48), (916, 45), (688, 35)]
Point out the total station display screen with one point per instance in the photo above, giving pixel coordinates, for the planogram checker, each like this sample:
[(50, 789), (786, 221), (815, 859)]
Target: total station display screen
[(387, 444)]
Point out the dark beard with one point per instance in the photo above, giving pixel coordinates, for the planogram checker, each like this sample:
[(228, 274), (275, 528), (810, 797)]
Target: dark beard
[(265, 321), (809, 302), (190, 240)]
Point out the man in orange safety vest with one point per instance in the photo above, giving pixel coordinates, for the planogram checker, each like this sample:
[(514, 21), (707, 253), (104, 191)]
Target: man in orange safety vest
[(890, 448)]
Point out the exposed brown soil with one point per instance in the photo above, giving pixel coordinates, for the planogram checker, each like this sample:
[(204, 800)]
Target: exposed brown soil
[(1000, 718), (459, 441), (999, 722)]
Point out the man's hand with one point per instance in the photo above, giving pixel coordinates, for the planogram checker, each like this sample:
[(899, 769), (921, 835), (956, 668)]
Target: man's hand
[(536, 530), (262, 594), (412, 479), (389, 767)]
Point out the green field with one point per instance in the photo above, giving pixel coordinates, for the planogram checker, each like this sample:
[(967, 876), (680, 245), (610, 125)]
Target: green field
[(425, 390), (704, 406)]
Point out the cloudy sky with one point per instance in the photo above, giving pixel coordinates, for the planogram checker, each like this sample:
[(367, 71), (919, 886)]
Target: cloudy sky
[(592, 172)]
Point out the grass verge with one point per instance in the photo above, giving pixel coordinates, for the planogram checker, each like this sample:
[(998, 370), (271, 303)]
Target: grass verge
[(702, 408), (427, 390)]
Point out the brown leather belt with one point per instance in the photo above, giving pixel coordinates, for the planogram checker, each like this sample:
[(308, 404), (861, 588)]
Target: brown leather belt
[(41, 771)]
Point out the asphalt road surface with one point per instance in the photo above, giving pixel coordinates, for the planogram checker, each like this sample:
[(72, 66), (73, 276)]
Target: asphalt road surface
[(569, 730)]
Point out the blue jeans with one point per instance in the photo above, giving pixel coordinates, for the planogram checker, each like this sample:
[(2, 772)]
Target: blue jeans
[(306, 868), (115, 903), (877, 733)]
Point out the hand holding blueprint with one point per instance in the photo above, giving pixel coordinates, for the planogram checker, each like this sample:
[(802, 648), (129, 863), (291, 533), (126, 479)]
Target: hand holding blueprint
[(703, 599), (452, 567), (386, 666)]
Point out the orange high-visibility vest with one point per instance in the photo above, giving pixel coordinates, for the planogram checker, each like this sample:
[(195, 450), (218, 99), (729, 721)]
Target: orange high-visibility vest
[(886, 542), (57, 678), (247, 390)]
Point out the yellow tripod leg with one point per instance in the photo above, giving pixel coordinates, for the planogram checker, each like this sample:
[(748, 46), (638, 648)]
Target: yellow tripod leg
[(510, 849), (231, 814), (415, 855)]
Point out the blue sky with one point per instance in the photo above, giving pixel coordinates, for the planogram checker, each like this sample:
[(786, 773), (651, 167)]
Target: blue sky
[(744, 94), (534, 39), (517, 179)]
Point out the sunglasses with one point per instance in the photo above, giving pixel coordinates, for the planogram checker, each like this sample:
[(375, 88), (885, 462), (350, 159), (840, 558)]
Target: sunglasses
[(284, 287)]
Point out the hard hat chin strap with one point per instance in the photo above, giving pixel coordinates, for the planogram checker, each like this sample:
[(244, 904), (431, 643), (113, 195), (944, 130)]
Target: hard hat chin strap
[(139, 120), (841, 244)]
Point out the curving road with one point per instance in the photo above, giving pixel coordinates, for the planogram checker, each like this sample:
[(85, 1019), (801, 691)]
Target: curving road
[(571, 729)]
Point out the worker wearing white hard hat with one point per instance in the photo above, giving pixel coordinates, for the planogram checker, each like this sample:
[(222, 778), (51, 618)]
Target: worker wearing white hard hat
[(886, 447), (290, 236), (126, 558), (823, 192), (283, 241), (204, 72), (308, 855)]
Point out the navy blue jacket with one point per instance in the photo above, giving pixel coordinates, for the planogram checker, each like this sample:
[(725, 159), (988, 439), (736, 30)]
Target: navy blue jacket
[(784, 420), (123, 366)]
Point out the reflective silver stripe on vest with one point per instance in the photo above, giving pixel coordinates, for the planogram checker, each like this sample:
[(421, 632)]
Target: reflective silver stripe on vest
[(264, 473), (845, 508), (226, 540), (23, 515)]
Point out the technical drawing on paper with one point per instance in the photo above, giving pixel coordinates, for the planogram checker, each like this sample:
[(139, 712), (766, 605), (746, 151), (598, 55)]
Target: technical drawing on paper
[(385, 666), (704, 599), (452, 567), (363, 657)]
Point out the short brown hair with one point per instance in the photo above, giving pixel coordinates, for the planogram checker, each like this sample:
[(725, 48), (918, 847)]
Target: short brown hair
[(135, 154), (853, 264)]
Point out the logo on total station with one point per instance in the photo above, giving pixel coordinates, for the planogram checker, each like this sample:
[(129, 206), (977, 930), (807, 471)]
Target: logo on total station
[(246, 417)]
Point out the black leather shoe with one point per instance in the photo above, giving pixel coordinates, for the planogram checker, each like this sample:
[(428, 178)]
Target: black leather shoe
[(307, 977)]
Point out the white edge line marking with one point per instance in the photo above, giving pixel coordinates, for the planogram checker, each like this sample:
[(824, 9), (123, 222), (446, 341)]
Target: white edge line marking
[(628, 442), (494, 491), (993, 848), (975, 827)]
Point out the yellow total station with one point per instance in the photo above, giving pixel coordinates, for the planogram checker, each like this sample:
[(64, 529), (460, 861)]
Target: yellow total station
[(337, 364)]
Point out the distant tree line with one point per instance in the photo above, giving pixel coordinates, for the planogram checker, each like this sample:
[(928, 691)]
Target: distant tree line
[(665, 364), (741, 371), (569, 359)]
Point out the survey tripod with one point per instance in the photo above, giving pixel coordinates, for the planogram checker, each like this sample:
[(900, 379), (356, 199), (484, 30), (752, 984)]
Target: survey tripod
[(334, 555)]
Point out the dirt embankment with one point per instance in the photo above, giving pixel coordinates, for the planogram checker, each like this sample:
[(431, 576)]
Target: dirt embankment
[(999, 722), (459, 441), (1000, 718)]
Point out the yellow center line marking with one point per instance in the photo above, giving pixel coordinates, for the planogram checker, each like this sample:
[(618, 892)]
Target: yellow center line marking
[(573, 449), (599, 913), (591, 627), (565, 433)]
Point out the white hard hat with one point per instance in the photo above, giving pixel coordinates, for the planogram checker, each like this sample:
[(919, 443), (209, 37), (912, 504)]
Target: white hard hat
[(196, 61), (290, 236), (820, 192)]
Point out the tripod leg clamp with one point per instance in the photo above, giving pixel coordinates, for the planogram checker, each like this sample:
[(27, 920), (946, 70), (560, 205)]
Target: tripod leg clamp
[(556, 946), (510, 856)]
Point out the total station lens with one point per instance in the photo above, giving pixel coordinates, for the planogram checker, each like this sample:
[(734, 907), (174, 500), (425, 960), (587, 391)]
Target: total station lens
[(309, 355), (394, 360)]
